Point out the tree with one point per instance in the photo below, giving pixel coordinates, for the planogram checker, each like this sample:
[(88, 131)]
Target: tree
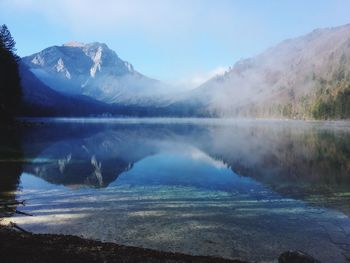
[(10, 88), (7, 40)]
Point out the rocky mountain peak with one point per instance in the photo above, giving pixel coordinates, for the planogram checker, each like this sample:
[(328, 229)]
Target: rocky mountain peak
[(91, 69)]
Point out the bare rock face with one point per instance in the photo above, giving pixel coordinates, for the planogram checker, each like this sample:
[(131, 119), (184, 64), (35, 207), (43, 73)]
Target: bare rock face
[(296, 257)]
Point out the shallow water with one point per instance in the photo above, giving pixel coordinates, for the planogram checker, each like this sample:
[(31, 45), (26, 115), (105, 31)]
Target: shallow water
[(236, 189)]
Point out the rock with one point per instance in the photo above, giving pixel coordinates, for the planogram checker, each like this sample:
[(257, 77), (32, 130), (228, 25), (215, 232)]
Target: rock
[(296, 257)]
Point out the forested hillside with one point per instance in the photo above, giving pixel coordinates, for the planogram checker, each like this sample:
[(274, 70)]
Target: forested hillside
[(302, 78)]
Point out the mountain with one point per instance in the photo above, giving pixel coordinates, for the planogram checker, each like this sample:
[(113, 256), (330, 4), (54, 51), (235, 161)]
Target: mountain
[(96, 71), (40, 100), (305, 77)]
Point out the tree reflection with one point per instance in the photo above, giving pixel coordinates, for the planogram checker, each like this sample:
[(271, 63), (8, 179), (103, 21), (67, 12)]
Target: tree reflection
[(304, 161), (11, 157)]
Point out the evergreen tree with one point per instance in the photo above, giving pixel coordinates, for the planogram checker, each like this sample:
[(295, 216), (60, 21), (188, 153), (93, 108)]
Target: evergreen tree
[(10, 89), (7, 39)]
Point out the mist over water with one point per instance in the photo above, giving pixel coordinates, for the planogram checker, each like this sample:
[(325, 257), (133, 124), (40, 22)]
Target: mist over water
[(236, 189)]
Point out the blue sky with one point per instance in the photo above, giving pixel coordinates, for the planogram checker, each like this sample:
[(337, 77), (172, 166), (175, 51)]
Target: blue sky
[(177, 41)]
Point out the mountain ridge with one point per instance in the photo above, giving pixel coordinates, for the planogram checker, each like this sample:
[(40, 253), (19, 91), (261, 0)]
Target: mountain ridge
[(306, 77), (290, 80), (39, 100)]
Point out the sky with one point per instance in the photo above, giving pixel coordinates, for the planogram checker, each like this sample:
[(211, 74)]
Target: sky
[(181, 42)]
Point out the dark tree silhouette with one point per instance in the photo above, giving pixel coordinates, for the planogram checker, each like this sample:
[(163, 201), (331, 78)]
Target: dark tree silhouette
[(7, 40), (10, 85)]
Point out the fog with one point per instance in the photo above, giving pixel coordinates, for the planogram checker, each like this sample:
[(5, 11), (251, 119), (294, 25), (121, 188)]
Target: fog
[(283, 74)]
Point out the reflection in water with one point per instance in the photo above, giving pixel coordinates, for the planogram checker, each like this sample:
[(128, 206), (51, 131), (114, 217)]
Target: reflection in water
[(233, 189), (310, 161), (10, 162), (294, 158), (10, 167), (293, 154)]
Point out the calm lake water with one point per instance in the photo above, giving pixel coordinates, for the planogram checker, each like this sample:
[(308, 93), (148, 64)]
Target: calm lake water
[(235, 189)]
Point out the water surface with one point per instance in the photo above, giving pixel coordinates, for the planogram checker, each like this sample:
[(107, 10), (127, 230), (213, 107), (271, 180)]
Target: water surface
[(236, 189)]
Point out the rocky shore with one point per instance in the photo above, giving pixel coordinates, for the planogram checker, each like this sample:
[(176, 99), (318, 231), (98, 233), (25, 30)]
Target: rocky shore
[(21, 247), (36, 248)]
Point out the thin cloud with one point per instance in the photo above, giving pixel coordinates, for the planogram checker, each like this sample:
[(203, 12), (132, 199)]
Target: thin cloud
[(170, 30), (168, 39), (157, 16)]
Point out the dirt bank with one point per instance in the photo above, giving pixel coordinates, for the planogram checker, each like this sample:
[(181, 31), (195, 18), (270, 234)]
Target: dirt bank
[(21, 247)]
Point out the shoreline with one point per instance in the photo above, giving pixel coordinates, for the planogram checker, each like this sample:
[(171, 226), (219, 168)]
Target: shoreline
[(27, 247), (16, 246)]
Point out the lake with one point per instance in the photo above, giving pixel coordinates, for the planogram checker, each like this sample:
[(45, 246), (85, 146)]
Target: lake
[(236, 189)]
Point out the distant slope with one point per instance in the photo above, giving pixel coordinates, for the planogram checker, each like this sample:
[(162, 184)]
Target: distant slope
[(305, 77), (96, 71), (39, 100)]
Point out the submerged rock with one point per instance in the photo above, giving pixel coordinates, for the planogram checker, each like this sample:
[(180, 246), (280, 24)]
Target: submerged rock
[(296, 257)]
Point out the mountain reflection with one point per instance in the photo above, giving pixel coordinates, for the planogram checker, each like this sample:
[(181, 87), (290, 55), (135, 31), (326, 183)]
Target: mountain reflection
[(302, 160), (305, 161), (91, 155), (294, 159)]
